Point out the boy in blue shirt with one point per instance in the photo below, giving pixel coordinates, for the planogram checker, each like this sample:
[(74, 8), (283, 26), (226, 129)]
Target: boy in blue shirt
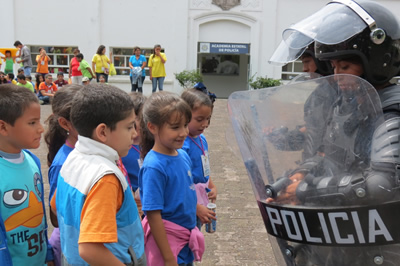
[(23, 219)]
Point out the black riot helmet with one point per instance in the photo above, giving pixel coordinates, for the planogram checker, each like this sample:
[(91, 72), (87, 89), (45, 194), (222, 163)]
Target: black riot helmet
[(285, 54), (324, 67), (377, 45)]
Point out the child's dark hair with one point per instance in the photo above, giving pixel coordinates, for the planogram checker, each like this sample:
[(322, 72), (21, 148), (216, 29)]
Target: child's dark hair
[(79, 56), (8, 52), (158, 110), (13, 102), (21, 76), (10, 75), (55, 135), (99, 103), (37, 77), (60, 74), (196, 98), (138, 101)]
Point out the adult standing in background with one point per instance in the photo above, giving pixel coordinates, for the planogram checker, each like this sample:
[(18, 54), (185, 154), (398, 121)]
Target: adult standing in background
[(42, 60), (101, 63), (74, 72), (25, 55), (157, 68), (137, 76)]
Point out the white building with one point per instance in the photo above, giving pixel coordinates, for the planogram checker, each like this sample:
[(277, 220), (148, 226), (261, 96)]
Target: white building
[(195, 34)]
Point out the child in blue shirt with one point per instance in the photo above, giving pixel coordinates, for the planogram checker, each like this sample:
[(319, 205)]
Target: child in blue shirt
[(132, 161), (21, 187), (60, 138), (196, 147), (166, 184)]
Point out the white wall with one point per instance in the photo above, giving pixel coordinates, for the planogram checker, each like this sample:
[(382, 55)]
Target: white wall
[(174, 24)]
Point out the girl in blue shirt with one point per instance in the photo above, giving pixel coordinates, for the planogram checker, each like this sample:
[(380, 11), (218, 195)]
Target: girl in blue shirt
[(166, 184), (132, 161), (196, 147), (60, 138)]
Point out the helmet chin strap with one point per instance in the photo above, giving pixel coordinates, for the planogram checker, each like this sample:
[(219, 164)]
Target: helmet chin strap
[(377, 35)]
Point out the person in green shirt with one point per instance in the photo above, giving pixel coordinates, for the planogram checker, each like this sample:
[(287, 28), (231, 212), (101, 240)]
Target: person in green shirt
[(10, 60), (85, 67), (23, 83)]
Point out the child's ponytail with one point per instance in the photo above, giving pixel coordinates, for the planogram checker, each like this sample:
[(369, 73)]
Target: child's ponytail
[(56, 136), (147, 140)]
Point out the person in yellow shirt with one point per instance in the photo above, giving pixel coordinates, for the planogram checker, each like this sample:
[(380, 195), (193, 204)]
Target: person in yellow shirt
[(101, 63), (157, 68)]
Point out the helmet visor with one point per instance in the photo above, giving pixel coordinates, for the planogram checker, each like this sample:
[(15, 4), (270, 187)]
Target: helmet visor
[(332, 24), (284, 54)]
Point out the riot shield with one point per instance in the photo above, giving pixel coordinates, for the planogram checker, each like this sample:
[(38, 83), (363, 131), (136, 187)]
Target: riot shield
[(340, 211)]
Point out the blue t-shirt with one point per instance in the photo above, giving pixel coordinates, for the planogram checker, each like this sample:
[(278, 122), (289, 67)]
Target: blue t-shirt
[(138, 62), (22, 211), (194, 147), (131, 163), (55, 167), (166, 184)]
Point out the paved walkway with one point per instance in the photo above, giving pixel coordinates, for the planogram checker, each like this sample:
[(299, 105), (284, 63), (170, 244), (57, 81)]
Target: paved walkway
[(241, 238)]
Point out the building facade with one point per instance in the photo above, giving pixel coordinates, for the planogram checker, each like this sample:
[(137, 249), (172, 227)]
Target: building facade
[(229, 41)]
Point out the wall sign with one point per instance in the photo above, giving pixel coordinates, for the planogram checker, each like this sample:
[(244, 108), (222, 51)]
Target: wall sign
[(224, 48)]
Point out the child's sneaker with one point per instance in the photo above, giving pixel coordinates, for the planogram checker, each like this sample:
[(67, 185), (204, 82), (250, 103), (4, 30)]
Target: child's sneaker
[(41, 102)]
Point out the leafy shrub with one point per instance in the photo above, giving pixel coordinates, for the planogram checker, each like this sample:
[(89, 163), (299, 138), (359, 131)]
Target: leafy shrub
[(187, 78), (264, 82)]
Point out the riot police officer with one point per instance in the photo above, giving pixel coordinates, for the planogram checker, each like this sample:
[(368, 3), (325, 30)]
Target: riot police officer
[(359, 164), (373, 53)]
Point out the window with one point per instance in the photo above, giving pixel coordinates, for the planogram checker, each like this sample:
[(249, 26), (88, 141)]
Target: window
[(291, 70), (60, 57), (120, 58)]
